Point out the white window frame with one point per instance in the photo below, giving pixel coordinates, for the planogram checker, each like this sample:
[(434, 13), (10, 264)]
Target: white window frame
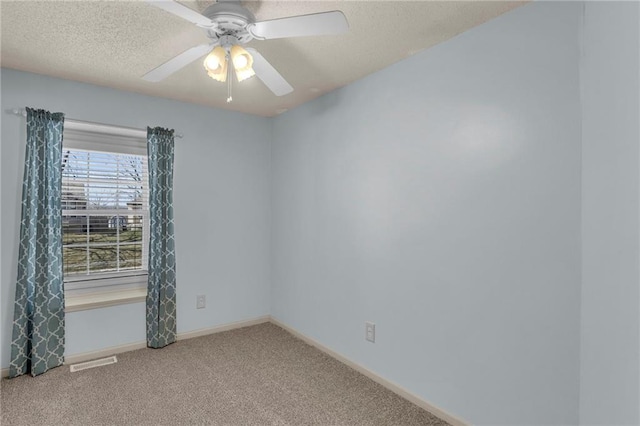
[(82, 291)]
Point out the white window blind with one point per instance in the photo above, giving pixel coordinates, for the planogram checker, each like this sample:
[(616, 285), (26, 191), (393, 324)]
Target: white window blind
[(105, 205)]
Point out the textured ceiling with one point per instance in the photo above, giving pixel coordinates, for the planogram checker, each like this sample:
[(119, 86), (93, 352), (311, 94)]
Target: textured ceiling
[(114, 43)]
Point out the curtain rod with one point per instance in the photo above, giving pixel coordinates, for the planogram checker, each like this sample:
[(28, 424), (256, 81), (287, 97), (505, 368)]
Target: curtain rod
[(131, 130)]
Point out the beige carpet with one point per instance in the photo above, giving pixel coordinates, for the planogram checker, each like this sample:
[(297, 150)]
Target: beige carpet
[(259, 375)]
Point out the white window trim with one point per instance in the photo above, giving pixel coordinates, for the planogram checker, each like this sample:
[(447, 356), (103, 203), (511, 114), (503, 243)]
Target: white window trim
[(101, 282), (82, 302), (84, 292), (104, 290)]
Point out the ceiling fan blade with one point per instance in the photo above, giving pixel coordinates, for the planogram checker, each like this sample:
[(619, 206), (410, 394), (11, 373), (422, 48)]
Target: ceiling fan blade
[(177, 63), (182, 11), (268, 74), (325, 23)]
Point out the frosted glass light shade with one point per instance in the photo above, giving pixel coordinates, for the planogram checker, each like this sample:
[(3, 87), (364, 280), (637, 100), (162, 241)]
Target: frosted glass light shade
[(242, 63), (216, 64)]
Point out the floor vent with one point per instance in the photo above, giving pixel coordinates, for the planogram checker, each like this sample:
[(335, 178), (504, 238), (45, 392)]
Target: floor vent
[(92, 364)]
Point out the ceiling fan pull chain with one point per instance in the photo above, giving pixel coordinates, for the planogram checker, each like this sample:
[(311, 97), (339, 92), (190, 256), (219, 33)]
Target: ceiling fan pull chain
[(229, 77)]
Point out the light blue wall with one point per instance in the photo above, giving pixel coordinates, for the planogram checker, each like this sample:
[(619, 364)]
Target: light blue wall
[(222, 168), (440, 199), (610, 338)]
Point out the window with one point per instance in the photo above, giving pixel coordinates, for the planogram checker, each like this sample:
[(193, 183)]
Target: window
[(105, 213)]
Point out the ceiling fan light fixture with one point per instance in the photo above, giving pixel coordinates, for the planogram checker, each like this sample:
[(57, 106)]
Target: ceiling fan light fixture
[(216, 64), (242, 63), (229, 24)]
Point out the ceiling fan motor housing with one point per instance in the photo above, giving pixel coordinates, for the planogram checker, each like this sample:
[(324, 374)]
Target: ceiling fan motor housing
[(231, 20)]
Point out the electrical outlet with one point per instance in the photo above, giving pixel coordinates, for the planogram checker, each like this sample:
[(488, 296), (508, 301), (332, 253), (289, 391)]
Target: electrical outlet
[(370, 332), (201, 301)]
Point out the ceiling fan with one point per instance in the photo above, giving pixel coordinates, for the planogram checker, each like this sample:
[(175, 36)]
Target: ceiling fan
[(229, 26)]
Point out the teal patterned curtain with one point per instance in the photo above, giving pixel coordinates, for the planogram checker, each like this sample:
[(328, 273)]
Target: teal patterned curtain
[(38, 325), (161, 292)]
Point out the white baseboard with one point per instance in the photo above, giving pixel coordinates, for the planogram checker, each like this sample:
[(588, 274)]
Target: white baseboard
[(393, 387), (223, 327), (114, 350)]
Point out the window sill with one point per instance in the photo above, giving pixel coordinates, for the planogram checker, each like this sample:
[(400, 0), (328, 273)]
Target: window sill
[(82, 302)]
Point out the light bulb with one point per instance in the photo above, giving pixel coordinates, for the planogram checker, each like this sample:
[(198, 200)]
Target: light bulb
[(212, 62), (240, 61)]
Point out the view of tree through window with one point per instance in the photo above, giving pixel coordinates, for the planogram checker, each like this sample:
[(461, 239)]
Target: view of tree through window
[(104, 212)]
